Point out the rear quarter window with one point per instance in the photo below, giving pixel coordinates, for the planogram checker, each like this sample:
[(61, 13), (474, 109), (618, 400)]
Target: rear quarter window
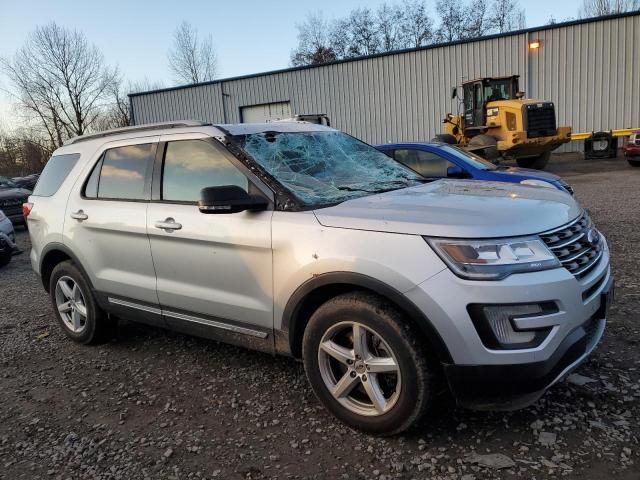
[(55, 172)]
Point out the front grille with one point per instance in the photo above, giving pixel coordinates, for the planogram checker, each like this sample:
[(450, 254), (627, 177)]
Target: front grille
[(541, 120), (572, 244)]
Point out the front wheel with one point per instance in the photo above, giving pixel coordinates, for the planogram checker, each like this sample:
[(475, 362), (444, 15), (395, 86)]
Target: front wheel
[(538, 162), (367, 365)]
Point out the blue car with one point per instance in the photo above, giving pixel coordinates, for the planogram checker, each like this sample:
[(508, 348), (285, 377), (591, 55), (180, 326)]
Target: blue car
[(441, 160)]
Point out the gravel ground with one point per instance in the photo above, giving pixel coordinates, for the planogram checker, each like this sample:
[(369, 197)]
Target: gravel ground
[(155, 404)]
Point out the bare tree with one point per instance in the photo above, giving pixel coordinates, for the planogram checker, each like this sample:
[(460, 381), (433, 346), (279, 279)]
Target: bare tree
[(23, 152), (506, 15), (313, 42), (597, 8), (391, 28), (60, 81), (364, 33), (191, 59), (452, 21), (118, 111), (476, 23), (416, 24)]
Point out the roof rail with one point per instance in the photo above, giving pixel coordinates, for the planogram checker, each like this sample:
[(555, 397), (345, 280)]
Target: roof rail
[(137, 128)]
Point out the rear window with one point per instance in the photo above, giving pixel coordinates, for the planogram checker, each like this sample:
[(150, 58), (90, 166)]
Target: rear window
[(54, 173), (122, 173)]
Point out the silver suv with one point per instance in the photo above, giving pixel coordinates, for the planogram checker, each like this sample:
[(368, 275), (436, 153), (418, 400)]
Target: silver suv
[(297, 239)]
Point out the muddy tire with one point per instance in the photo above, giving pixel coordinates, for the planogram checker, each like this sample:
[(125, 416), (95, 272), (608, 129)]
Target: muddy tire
[(538, 163), (367, 365), (489, 150), (445, 138)]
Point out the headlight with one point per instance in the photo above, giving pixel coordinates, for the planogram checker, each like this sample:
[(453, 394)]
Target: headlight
[(494, 259), (492, 112), (537, 183)]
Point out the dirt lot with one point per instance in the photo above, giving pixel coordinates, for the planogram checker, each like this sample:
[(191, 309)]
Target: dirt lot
[(154, 404)]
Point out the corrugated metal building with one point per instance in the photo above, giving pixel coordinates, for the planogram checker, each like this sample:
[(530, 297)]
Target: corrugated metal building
[(590, 69)]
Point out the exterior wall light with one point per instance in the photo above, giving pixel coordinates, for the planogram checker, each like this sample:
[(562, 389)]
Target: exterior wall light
[(534, 44)]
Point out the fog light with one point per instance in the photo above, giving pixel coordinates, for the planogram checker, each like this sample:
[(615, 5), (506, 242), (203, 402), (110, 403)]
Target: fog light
[(496, 327), (499, 318)]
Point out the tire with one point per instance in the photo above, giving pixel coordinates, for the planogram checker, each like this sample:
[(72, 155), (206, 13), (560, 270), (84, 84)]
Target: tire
[(5, 257), (489, 144), (95, 326), (445, 138), (392, 341), (538, 162), (633, 163)]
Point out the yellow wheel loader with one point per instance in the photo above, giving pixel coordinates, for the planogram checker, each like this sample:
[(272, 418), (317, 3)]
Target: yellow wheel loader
[(498, 121)]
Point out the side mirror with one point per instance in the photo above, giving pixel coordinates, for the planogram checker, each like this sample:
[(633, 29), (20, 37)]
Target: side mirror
[(455, 171), (454, 93), (228, 199)]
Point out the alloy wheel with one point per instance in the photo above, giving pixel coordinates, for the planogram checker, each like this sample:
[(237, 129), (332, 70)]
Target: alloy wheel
[(71, 304), (359, 369)]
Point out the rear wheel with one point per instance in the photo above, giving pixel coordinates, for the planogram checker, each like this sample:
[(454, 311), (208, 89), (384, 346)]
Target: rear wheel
[(445, 138), (485, 146), (366, 364), (75, 307), (5, 256), (634, 163), (538, 162)]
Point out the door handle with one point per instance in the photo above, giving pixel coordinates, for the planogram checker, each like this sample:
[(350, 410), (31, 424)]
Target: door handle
[(168, 225), (79, 215)]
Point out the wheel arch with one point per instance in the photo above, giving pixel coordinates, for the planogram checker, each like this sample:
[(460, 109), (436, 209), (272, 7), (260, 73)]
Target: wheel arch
[(314, 292), (52, 255)]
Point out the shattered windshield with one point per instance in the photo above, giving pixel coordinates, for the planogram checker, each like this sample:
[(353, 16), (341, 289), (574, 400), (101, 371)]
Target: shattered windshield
[(326, 167)]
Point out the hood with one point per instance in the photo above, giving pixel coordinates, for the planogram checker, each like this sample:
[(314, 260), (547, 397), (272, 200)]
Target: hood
[(456, 208), (529, 173)]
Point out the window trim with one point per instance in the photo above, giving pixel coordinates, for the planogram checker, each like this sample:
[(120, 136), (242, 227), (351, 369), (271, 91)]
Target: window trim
[(147, 179), (158, 172)]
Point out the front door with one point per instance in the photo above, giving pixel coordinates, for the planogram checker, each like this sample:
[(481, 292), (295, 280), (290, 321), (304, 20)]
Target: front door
[(213, 270)]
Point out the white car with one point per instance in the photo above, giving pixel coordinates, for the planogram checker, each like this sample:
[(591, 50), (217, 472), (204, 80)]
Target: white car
[(8, 247), (297, 239)]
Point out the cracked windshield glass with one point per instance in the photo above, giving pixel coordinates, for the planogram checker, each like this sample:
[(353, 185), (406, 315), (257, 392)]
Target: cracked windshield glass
[(322, 168)]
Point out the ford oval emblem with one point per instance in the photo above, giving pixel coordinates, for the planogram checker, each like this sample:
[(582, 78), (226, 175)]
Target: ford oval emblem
[(593, 237)]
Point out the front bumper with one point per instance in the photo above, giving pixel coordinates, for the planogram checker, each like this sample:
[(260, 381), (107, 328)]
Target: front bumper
[(485, 378), (508, 387)]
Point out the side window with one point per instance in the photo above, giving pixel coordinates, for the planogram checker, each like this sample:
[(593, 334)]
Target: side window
[(424, 163), (432, 165), (54, 173), (122, 173), (191, 165)]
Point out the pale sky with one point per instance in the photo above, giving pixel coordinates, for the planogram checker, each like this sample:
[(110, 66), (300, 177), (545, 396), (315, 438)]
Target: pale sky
[(250, 36)]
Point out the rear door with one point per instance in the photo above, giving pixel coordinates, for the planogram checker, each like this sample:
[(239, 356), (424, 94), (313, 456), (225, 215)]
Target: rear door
[(106, 225), (214, 271)]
